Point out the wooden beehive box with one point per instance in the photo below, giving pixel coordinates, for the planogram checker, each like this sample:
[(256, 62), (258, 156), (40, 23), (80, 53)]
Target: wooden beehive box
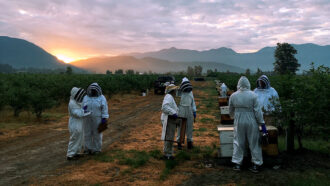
[(223, 101)]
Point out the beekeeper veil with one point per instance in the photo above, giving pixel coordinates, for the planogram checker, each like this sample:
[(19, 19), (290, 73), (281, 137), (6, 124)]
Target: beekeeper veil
[(77, 94), (264, 79), (185, 85), (94, 90), (243, 84)]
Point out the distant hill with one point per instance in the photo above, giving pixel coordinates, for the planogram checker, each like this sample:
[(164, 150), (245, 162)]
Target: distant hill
[(101, 64), (21, 54), (262, 59)]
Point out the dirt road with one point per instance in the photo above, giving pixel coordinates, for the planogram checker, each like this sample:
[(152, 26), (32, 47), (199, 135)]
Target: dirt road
[(43, 150)]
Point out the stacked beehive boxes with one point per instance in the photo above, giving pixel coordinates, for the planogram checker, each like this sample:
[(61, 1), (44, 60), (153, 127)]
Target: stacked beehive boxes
[(226, 124)]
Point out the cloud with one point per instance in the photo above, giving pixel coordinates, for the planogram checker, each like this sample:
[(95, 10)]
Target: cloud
[(88, 27)]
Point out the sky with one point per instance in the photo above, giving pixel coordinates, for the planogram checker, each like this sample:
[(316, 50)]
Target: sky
[(75, 29)]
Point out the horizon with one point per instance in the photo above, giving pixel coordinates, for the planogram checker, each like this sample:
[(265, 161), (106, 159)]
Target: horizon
[(111, 28)]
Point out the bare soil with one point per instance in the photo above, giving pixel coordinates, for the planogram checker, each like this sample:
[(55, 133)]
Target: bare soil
[(36, 151)]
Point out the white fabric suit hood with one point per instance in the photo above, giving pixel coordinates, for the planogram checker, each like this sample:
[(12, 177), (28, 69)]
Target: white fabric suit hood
[(243, 84)]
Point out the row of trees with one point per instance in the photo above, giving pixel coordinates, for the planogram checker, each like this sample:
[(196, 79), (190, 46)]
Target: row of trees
[(38, 92)]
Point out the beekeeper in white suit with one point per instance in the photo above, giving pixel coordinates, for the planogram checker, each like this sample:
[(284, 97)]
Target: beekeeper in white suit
[(76, 113), (187, 109), (243, 106), (97, 104), (223, 90), (265, 94), (168, 119)]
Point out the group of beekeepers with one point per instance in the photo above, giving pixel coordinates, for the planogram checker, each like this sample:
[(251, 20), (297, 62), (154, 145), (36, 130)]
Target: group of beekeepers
[(87, 111), (245, 106), (170, 113)]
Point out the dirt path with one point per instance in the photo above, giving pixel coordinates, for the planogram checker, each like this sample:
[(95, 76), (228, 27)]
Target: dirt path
[(43, 150)]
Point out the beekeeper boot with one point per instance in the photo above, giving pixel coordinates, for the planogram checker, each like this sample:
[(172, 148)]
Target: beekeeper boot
[(190, 145), (179, 146), (254, 168)]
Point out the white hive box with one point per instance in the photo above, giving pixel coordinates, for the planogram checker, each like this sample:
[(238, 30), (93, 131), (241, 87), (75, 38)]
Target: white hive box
[(224, 110), (226, 134)]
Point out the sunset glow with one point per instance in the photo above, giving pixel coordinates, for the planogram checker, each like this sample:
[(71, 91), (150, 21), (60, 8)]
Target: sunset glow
[(64, 58)]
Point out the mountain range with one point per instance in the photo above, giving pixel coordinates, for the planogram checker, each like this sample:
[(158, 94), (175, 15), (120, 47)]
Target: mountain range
[(101, 64), (263, 59), (20, 53)]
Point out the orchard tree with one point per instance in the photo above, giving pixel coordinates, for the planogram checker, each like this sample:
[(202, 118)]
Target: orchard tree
[(248, 72), (198, 70), (285, 61), (259, 72), (119, 71), (68, 70), (129, 72), (108, 72), (190, 71)]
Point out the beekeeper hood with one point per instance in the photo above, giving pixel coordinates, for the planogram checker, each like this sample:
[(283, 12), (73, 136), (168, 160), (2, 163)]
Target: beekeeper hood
[(264, 79), (184, 79), (170, 88), (243, 84), (77, 94), (94, 90), (185, 85)]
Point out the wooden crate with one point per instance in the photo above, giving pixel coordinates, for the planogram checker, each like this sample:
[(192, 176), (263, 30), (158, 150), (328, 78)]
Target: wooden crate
[(226, 119), (223, 101)]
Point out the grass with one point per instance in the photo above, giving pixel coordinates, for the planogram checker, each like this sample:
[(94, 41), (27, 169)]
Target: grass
[(201, 129), (156, 154), (132, 158), (309, 181), (135, 158), (8, 121), (180, 157), (317, 145), (206, 120)]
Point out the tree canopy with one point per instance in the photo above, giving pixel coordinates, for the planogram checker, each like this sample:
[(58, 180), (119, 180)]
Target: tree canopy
[(285, 61)]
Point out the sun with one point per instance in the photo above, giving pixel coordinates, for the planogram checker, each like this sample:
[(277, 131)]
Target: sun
[(64, 58)]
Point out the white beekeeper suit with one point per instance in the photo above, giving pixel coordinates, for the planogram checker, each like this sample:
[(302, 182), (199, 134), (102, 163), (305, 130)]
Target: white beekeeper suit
[(169, 108), (243, 106), (223, 90), (187, 109), (76, 122), (97, 104), (265, 94)]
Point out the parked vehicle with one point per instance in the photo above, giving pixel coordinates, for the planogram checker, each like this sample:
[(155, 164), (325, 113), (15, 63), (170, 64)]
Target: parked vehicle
[(161, 83)]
